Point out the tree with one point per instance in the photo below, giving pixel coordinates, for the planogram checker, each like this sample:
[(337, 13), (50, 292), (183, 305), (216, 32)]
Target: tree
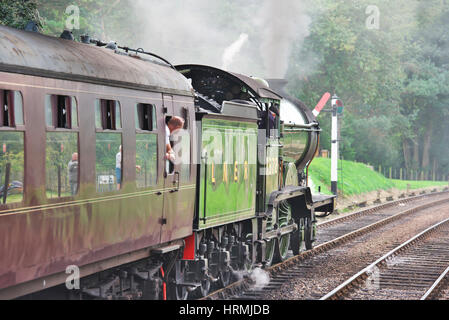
[(105, 20), (17, 13), (393, 80), (426, 93)]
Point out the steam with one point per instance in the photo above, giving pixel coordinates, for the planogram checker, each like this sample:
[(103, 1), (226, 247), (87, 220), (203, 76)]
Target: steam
[(260, 278), (231, 51), (283, 24), (182, 31), (201, 31)]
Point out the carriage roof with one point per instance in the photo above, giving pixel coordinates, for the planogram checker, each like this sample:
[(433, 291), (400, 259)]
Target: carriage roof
[(35, 54)]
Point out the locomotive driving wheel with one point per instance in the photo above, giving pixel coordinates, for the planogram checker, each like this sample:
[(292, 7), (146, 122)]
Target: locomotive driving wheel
[(178, 291), (283, 244), (269, 252), (308, 233), (297, 238), (204, 288)]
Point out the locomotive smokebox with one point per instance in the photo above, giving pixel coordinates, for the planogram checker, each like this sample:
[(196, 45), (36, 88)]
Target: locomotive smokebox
[(301, 131)]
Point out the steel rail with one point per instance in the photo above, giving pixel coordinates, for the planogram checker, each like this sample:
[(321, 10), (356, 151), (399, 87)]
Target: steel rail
[(435, 288), (365, 273), (373, 209), (241, 285)]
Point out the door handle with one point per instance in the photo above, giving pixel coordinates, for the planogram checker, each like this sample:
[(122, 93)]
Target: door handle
[(176, 182)]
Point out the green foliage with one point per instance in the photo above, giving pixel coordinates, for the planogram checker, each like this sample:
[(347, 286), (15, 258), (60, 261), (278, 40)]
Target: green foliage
[(17, 13), (107, 147), (13, 144), (59, 149), (393, 81), (357, 178), (146, 159), (103, 19)]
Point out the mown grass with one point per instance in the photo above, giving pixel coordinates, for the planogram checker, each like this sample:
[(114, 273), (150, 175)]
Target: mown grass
[(357, 178)]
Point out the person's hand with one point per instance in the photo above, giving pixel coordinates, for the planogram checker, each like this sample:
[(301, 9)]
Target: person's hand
[(170, 156)]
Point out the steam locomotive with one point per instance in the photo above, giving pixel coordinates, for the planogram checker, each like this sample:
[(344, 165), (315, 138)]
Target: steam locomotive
[(236, 197)]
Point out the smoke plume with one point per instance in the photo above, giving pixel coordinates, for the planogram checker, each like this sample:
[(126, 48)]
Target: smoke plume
[(201, 31), (231, 51), (282, 23)]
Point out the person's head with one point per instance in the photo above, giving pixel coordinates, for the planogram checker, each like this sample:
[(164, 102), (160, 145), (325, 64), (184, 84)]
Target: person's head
[(175, 123), (75, 156)]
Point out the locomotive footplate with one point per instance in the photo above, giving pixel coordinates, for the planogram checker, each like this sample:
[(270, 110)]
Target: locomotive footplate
[(286, 193), (303, 204), (324, 203), (292, 194)]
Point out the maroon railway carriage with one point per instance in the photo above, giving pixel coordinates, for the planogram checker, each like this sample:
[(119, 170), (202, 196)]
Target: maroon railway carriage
[(61, 98)]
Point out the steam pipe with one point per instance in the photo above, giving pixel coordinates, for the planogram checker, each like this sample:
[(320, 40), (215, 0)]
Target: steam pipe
[(303, 126), (100, 43)]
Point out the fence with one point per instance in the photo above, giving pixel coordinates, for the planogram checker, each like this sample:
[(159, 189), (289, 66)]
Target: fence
[(402, 173), (412, 174)]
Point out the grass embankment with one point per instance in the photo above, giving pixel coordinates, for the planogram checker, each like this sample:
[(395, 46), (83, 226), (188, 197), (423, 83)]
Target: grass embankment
[(357, 178)]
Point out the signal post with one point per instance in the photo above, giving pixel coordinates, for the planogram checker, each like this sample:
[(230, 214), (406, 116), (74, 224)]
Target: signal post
[(337, 109)]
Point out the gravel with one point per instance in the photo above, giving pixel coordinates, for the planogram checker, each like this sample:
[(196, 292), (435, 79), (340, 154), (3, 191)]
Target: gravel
[(324, 272)]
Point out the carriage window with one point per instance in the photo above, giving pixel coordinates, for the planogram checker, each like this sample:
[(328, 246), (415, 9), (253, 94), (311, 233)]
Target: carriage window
[(108, 161), (107, 114), (61, 111), (146, 160), (11, 113), (145, 117), (11, 167), (61, 164)]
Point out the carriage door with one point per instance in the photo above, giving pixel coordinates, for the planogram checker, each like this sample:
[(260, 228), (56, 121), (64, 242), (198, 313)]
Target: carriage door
[(178, 199)]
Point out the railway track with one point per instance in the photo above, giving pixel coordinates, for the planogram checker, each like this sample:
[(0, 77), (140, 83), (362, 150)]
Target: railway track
[(331, 234), (332, 229), (414, 270), (439, 289)]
